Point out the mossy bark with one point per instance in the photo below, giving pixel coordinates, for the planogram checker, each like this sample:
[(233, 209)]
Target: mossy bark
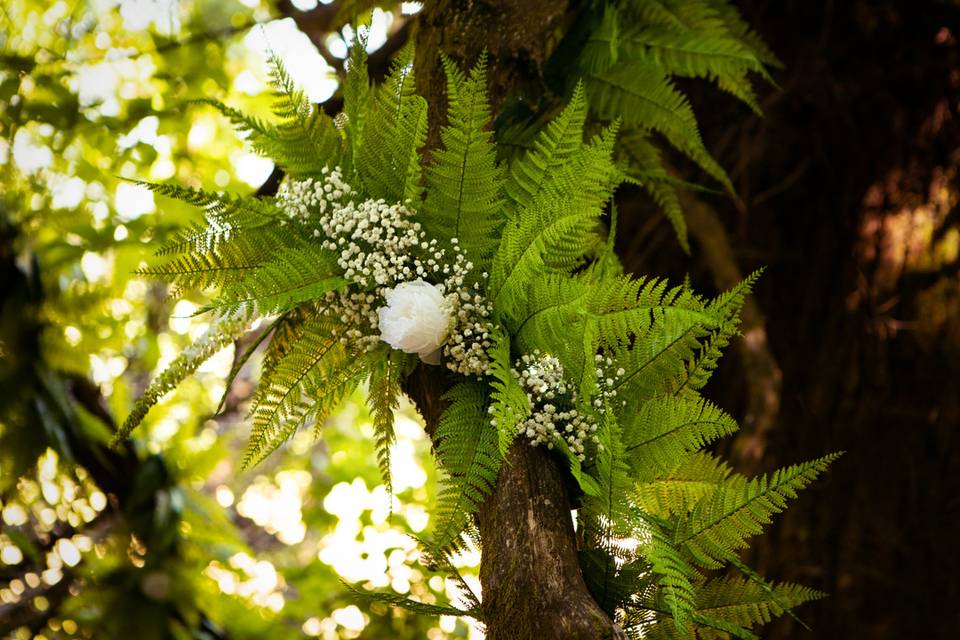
[(532, 584)]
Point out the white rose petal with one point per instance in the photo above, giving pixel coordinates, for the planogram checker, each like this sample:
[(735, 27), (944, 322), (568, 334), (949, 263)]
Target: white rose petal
[(416, 319)]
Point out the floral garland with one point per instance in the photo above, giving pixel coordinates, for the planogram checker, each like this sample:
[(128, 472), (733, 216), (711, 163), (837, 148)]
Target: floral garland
[(390, 260), (388, 256)]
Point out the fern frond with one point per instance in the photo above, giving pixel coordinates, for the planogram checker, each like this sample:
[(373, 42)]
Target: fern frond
[(395, 127), (469, 459), (656, 358), (641, 94), (403, 602), (739, 509), (294, 275), (559, 230), (239, 235), (509, 403), (743, 602), (310, 381), (666, 428), (702, 626), (306, 135), (645, 166), (386, 376), (739, 28), (675, 577), (553, 147), (218, 336), (291, 149), (677, 490), (356, 99), (464, 183), (441, 561), (612, 584), (690, 39), (605, 515), (572, 317), (241, 361), (727, 306)]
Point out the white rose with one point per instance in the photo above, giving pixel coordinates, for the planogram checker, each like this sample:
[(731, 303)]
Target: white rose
[(416, 319)]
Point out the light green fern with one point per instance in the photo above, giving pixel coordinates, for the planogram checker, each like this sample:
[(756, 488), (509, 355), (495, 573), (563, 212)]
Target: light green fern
[(469, 456), (463, 180)]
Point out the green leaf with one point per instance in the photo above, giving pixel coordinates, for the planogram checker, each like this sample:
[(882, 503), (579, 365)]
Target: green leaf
[(464, 183), (469, 457), (394, 128)]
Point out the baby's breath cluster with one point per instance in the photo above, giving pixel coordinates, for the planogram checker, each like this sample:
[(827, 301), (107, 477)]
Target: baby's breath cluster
[(379, 245), (541, 377), (466, 350), (607, 380)]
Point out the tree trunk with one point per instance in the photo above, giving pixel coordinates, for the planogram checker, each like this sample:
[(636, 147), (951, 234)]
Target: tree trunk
[(532, 585)]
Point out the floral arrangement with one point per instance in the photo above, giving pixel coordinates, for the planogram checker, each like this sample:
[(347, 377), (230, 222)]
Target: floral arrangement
[(496, 271)]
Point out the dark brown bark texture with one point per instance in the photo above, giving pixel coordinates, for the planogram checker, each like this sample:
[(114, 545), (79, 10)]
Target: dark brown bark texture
[(849, 196)]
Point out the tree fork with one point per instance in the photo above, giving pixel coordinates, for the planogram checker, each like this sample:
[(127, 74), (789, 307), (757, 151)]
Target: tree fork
[(532, 584)]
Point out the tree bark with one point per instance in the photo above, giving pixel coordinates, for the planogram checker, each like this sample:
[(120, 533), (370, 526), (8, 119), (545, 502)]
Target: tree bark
[(532, 584)]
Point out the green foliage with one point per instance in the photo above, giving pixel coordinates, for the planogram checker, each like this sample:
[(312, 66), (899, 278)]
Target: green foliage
[(306, 384), (463, 180), (468, 452), (292, 276), (303, 139), (238, 235), (657, 513), (677, 490), (216, 338), (393, 130), (559, 229), (397, 600), (668, 427), (628, 63), (739, 508), (509, 404), (384, 398)]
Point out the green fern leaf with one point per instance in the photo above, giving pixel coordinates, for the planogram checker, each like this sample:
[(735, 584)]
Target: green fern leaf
[(747, 604), (509, 403), (675, 577), (402, 602), (217, 337), (293, 276), (469, 459), (666, 428), (646, 167), (559, 231), (739, 508), (307, 384), (727, 306), (559, 142), (394, 128), (464, 183), (641, 94), (386, 376), (239, 235), (356, 99), (677, 490), (572, 317)]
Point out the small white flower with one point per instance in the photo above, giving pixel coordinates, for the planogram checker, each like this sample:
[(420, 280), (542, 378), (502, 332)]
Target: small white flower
[(416, 319)]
